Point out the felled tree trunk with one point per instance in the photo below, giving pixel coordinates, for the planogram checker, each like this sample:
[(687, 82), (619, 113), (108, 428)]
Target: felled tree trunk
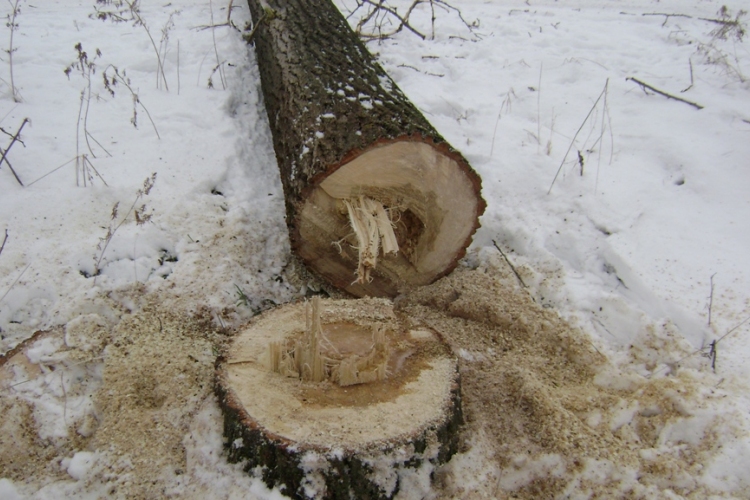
[(376, 200), (341, 405)]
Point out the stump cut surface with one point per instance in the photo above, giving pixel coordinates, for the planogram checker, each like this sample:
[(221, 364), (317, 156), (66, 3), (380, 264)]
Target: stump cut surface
[(366, 432)]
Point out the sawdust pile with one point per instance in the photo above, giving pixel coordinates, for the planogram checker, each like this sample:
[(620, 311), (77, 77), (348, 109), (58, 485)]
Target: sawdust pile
[(158, 371), (146, 376), (547, 414), (548, 408)]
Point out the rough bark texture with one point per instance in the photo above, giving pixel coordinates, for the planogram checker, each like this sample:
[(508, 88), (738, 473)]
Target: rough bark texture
[(347, 474), (328, 103)]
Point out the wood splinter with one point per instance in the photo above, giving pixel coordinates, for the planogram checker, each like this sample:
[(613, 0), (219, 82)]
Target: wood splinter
[(373, 228), (313, 358)]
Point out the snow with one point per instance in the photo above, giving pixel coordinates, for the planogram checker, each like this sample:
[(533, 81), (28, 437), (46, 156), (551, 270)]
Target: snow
[(636, 247)]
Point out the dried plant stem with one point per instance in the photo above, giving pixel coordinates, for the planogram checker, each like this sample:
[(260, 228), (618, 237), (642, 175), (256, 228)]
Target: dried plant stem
[(136, 99), (690, 64), (13, 26), (160, 64), (510, 264), (5, 153), (645, 86), (4, 240), (219, 63), (51, 172), (570, 146), (147, 185)]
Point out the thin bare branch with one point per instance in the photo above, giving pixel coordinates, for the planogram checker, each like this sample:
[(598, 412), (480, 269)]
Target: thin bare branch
[(645, 86), (512, 267), (5, 152)]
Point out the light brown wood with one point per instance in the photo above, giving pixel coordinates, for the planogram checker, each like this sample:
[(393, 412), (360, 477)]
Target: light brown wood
[(431, 203), (280, 421)]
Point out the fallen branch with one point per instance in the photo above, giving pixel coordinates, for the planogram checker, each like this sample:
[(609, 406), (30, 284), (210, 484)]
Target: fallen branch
[(5, 152), (645, 86), (512, 267), (724, 22), (666, 16)]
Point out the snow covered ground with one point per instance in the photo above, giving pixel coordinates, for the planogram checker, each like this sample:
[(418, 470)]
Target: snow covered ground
[(641, 240)]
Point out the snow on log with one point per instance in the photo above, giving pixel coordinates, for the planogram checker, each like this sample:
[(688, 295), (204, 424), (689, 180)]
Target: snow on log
[(339, 400), (376, 200)]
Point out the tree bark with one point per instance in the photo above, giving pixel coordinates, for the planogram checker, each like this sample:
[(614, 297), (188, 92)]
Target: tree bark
[(326, 441), (342, 129)]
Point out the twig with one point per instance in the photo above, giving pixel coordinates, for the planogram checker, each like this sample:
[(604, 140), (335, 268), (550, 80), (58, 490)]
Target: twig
[(712, 354), (570, 146), (665, 94), (512, 268), (378, 7), (580, 161), (15, 138), (248, 37), (690, 62), (723, 22), (4, 240), (229, 12), (216, 51), (711, 298), (160, 64), (666, 16)]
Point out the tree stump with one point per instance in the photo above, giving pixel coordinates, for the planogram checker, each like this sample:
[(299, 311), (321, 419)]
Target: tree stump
[(340, 402), (376, 200)]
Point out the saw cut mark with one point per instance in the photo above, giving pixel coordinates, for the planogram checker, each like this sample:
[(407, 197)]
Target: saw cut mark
[(373, 229), (314, 358)]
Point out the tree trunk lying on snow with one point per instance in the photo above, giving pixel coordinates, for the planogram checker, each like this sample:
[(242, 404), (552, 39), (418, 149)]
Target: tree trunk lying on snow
[(376, 200), (340, 402)]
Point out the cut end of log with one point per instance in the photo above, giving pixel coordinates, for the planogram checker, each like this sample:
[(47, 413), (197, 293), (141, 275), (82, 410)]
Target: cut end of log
[(388, 399), (399, 215)]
